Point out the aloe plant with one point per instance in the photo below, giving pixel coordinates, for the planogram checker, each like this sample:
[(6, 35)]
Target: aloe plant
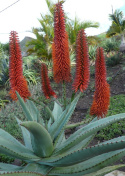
[(47, 152)]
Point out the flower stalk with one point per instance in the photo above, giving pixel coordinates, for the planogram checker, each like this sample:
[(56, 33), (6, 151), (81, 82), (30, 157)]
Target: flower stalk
[(60, 47), (17, 81), (64, 94), (102, 90), (82, 76), (46, 87)]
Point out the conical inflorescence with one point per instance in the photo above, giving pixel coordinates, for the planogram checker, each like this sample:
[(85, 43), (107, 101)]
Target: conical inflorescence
[(102, 90), (17, 81), (46, 87), (60, 47), (82, 76)]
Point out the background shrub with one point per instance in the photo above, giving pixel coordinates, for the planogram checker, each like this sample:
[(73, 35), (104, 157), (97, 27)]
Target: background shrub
[(110, 44), (113, 60), (117, 105)]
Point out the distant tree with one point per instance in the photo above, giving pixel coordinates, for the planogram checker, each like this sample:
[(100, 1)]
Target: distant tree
[(42, 45), (73, 26), (117, 27), (6, 48)]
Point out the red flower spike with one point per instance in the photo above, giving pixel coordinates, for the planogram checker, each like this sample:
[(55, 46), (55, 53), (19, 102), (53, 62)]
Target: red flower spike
[(47, 90), (102, 90), (60, 48), (17, 80), (82, 63)]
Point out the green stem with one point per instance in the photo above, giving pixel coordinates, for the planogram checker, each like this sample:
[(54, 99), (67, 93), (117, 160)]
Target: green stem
[(45, 106), (74, 125), (64, 94), (57, 101)]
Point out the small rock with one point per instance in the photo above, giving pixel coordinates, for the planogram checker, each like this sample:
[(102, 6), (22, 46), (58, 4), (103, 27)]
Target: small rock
[(123, 131), (116, 173), (17, 162)]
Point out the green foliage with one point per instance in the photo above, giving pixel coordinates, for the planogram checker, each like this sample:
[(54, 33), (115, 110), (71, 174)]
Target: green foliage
[(42, 142), (46, 150), (8, 121), (73, 26), (3, 93), (102, 35), (3, 102), (4, 61), (42, 45), (6, 159), (28, 62), (12, 128), (117, 105), (29, 71), (110, 44), (113, 60), (1, 56), (31, 76), (6, 48), (4, 75), (13, 109), (92, 53), (118, 23)]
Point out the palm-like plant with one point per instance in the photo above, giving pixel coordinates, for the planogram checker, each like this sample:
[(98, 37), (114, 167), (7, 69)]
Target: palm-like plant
[(4, 72), (73, 26), (117, 27), (1, 54), (44, 36), (42, 45)]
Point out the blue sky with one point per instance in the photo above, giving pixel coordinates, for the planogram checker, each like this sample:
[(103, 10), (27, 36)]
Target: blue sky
[(24, 15)]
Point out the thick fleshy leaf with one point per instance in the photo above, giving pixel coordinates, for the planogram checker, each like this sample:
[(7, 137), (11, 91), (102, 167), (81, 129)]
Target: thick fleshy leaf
[(41, 139), (37, 168), (20, 174), (49, 123), (33, 110), (59, 125), (80, 145), (57, 110), (106, 170), (26, 135), (86, 153), (54, 126), (84, 143), (60, 140), (92, 165), (17, 151), (9, 137), (88, 130), (9, 167), (24, 107)]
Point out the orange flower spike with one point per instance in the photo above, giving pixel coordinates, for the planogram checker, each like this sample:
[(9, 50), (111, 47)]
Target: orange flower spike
[(82, 76), (46, 87), (17, 80), (61, 60), (102, 90)]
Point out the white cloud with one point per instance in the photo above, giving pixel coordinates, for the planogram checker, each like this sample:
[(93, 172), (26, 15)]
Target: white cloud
[(24, 14), (20, 17), (93, 10)]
